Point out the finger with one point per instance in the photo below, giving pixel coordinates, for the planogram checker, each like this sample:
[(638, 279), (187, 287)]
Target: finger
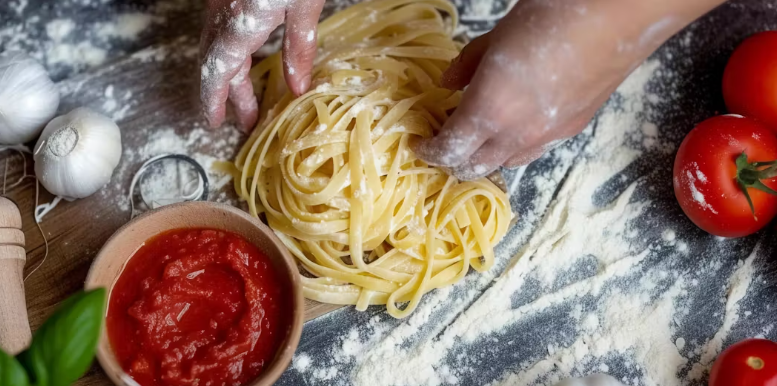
[(300, 44), (463, 67), (458, 139), (486, 159), (241, 94), (207, 35), (217, 15), (213, 21), (219, 67), (524, 157), (226, 56), (469, 127), (528, 155)]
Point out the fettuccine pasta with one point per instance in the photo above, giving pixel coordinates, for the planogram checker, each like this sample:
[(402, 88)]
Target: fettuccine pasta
[(333, 172)]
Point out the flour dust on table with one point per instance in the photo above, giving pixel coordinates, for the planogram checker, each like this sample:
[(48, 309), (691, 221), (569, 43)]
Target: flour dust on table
[(71, 36), (589, 291), (136, 93), (652, 302), (203, 145)]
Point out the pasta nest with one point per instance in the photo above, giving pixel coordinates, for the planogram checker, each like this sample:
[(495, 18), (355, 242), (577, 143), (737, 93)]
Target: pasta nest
[(334, 174)]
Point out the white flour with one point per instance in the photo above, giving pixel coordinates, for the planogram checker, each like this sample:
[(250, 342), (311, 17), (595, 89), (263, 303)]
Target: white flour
[(203, 145), (66, 46), (585, 267), (479, 11), (69, 46), (126, 26), (587, 293), (692, 176), (737, 289), (59, 29), (150, 133)]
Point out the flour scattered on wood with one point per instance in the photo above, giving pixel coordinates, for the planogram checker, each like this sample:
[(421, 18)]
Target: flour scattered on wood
[(620, 301), (203, 145), (578, 288), (66, 46), (736, 291), (126, 26)]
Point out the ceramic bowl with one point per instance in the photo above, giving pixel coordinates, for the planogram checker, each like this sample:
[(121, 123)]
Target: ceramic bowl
[(114, 255)]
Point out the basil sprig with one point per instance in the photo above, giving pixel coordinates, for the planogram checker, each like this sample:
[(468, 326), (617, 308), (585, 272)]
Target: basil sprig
[(63, 347), (11, 372)]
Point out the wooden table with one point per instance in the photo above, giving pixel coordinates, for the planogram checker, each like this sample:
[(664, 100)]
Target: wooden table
[(160, 71), (165, 90), (163, 81)]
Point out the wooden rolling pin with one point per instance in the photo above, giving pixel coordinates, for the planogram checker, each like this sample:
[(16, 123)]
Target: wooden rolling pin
[(15, 333)]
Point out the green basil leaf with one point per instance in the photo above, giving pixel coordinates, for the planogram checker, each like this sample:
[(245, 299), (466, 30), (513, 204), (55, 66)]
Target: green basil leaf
[(11, 372), (64, 346), (24, 360)]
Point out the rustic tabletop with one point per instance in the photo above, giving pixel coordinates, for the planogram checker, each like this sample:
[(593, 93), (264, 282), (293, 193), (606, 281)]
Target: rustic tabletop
[(136, 61)]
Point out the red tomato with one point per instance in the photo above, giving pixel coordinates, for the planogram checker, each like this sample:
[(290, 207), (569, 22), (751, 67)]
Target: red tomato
[(705, 176), (751, 362), (750, 79)]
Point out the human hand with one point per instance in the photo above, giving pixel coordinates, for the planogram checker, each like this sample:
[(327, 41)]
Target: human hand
[(234, 29), (541, 75)]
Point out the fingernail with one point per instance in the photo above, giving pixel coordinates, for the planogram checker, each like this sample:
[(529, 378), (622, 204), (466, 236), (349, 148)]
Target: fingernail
[(451, 79), (304, 85), (414, 143), (213, 122), (420, 147), (243, 126), (469, 172), (207, 119)]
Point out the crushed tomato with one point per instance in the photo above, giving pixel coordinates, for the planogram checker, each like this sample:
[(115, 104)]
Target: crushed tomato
[(197, 307)]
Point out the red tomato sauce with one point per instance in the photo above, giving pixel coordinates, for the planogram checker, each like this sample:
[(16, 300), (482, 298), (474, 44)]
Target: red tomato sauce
[(197, 307)]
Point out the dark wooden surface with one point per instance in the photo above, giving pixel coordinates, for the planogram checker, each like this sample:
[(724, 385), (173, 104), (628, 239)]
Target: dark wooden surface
[(162, 78), (165, 96)]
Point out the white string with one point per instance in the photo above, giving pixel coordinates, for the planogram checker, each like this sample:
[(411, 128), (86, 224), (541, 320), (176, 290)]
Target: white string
[(42, 209), (21, 149), (45, 241)]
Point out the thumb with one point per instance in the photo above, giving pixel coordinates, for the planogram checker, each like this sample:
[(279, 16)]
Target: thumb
[(463, 67)]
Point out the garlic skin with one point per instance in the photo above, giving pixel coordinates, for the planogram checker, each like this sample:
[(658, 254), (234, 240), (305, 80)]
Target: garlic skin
[(28, 98), (76, 154)]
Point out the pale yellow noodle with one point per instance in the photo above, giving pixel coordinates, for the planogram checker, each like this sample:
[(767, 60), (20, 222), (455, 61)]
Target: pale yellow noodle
[(333, 172)]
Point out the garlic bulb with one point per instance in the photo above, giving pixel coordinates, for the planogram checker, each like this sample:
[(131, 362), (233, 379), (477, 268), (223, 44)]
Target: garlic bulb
[(76, 153), (28, 98)]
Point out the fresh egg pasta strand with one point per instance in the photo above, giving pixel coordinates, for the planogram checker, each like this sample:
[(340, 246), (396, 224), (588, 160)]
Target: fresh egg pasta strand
[(333, 172)]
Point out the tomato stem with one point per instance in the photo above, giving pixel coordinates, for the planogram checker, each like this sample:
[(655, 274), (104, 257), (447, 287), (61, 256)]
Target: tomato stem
[(755, 363), (750, 175)]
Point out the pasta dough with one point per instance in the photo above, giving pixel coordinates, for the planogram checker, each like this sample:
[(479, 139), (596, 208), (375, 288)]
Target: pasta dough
[(333, 172)]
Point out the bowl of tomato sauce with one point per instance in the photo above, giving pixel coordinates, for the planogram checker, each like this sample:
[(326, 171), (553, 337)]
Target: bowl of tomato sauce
[(201, 294)]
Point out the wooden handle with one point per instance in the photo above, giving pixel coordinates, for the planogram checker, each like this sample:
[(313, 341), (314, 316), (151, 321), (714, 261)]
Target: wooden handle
[(15, 333)]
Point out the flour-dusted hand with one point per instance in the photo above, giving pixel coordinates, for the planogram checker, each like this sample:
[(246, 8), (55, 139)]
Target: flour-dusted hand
[(541, 75), (234, 29)]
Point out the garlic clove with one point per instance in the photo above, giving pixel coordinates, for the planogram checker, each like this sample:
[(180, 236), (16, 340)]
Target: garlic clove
[(76, 154)]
